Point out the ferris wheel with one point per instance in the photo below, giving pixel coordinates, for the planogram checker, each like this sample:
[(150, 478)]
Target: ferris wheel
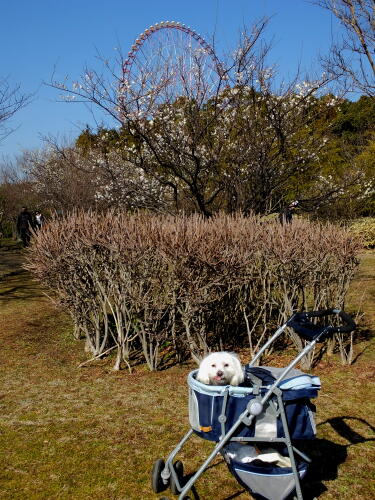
[(167, 61)]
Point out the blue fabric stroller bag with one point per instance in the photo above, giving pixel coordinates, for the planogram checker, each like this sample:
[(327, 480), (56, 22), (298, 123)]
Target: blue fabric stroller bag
[(210, 405)]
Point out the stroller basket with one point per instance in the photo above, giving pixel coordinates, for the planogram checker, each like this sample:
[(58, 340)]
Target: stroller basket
[(213, 410), (274, 483)]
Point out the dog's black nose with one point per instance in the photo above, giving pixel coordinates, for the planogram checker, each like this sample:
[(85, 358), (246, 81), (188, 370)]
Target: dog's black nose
[(219, 373)]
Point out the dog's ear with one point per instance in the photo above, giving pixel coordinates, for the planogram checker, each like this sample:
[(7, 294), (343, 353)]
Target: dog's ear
[(238, 377)]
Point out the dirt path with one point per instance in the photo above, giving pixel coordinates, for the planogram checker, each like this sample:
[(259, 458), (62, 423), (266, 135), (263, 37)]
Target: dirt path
[(10, 261)]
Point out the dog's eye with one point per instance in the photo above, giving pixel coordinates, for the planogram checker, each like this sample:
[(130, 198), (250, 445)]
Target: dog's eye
[(226, 365), (213, 366)]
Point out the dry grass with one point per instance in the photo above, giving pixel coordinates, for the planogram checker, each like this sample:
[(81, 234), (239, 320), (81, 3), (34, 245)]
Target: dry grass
[(92, 433)]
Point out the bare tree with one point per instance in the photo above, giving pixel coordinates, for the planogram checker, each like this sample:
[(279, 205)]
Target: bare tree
[(351, 59), (55, 180), (11, 101)]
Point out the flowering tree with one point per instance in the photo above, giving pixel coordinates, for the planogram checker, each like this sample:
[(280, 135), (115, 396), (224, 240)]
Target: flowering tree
[(243, 140), (233, 143)]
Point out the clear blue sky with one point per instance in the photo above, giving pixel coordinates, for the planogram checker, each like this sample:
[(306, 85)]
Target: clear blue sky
[(40, 36)]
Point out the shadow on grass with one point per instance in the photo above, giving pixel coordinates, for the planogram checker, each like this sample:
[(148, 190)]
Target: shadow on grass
[(15, 281), (340, 425), (326, 455), (19, 286)]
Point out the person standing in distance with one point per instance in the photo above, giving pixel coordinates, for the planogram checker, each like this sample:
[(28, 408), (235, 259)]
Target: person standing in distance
[(286, 215), (24, 225), (38, 220)]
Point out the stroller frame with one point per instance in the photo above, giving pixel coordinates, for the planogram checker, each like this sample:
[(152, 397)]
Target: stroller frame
[(312, 334)]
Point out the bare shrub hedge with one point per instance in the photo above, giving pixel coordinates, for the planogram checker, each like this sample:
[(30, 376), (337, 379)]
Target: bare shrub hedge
[(160, 288)]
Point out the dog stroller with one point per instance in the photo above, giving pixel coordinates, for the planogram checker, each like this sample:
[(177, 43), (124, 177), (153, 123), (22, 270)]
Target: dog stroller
[(256, 427)]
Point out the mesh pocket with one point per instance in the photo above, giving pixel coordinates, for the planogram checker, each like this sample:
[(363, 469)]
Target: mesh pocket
[(193, 411)]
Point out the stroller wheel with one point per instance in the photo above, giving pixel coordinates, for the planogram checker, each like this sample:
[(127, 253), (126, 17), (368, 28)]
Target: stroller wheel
[(179, 468), (157, 482)]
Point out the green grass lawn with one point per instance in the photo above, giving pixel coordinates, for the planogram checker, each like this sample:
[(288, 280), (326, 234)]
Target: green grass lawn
[(91, 433)]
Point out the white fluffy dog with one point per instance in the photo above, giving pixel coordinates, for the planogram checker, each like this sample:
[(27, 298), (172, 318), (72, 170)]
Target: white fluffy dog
[(220, 368)]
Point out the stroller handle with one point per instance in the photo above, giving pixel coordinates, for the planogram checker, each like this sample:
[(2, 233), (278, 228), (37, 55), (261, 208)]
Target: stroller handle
[(349, 322), (301, 324)]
